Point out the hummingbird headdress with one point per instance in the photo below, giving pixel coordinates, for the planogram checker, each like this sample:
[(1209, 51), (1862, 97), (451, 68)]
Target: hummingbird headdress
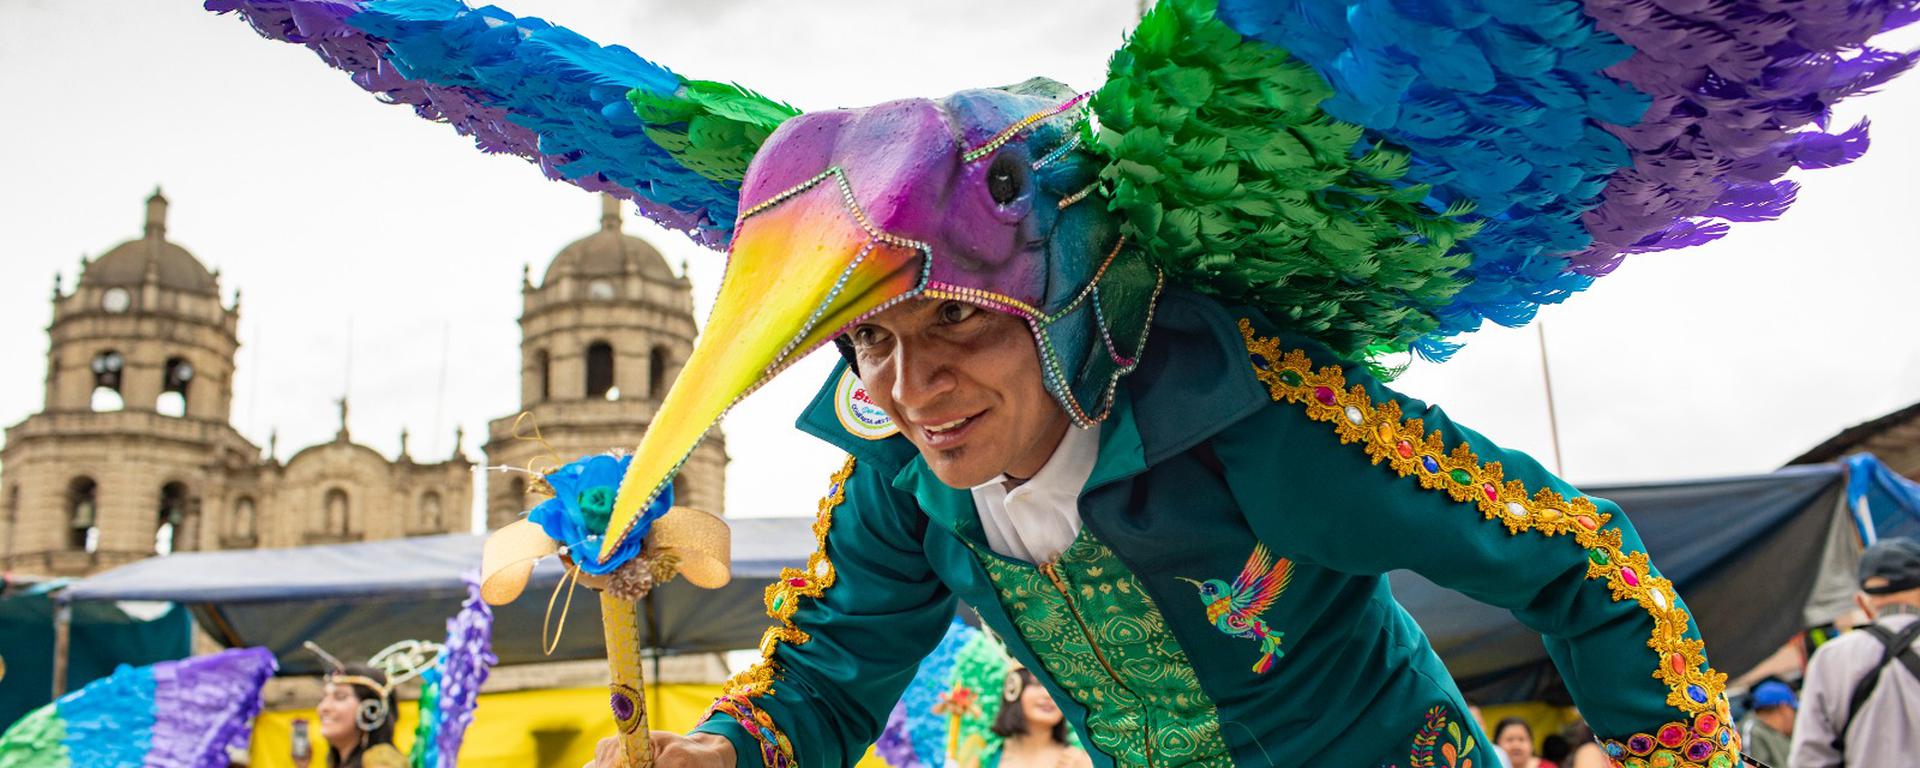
[(1379, 175)]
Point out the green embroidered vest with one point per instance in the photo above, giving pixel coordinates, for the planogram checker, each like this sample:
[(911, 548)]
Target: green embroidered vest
[(1103, 640)]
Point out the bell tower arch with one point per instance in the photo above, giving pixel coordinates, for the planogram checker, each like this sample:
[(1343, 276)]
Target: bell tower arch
[(604, 332)]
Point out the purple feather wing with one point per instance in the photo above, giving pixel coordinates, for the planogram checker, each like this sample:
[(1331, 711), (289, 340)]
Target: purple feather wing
[(1574, 132)]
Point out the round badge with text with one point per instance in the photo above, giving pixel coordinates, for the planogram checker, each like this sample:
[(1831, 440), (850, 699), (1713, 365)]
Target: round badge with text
[(858, 414)]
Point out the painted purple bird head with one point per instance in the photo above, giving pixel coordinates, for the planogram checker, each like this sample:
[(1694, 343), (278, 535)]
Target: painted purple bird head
[(977, 197)]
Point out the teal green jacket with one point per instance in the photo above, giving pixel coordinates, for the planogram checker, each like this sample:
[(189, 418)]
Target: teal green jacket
[(1226, 601)]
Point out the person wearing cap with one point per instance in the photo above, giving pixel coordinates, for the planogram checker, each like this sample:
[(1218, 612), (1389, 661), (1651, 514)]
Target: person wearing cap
[(1767, 733), (1862, 689)]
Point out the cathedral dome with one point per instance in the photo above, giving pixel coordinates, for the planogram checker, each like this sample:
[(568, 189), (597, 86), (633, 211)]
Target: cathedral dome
[(610, 252), (127, 264)]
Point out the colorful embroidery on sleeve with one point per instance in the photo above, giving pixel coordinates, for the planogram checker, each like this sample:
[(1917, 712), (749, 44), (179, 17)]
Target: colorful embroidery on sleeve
[(1404, 445), (783, 599), (775, 750), (1453, 751)]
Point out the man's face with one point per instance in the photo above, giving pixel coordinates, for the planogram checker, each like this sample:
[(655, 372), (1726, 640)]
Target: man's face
[(964, 385)]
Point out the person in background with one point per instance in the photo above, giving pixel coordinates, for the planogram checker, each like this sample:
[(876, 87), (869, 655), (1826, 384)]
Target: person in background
[(1862, 689), (1515, 739), (1480, 719), (1554, 748), (1767, 733), (356, 716), (1034, 729), (1583, 751)]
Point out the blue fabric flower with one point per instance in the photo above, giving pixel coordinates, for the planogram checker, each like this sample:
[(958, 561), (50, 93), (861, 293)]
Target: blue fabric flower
[(583, 493)]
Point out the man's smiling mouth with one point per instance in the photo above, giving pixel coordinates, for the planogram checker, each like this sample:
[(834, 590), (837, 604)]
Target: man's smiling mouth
[(947, 433)]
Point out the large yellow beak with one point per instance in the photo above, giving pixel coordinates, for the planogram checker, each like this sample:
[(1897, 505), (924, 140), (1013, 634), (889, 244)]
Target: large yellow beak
[(798, 272)]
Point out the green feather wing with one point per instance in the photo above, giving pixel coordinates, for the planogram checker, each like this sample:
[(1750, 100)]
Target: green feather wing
[(1224, 169)]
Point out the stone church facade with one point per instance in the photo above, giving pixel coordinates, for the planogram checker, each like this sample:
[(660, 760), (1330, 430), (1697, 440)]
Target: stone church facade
[(134, 453)]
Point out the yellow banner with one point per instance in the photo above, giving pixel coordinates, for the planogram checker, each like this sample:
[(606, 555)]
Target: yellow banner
[(553, 728)]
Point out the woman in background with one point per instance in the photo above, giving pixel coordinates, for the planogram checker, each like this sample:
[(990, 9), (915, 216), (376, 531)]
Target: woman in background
[(356, 718), (1514, 737), (1033, 728)]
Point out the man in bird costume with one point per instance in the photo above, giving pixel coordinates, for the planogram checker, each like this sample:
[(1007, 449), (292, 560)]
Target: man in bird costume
[(1109, 358)]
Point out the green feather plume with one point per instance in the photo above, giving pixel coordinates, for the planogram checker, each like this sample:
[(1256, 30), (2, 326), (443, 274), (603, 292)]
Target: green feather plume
[(713, 129), (1223, 168)]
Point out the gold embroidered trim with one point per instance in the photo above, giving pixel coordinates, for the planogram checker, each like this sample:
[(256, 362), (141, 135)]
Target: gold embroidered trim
[(1405, 446), (783, 595)]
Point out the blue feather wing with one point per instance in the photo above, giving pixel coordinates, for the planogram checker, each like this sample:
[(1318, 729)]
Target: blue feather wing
[(516, 85), (1579, 132)]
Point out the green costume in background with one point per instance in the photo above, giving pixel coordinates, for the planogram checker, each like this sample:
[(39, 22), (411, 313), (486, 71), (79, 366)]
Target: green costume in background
[(1242, 461)]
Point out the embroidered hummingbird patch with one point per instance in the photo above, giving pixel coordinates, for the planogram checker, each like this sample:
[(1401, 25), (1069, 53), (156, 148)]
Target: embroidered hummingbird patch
[(1236, 608)]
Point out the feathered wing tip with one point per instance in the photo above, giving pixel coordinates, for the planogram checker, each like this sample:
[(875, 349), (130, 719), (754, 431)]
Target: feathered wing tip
[(524, 87), (1734, 86), (185, 713), (206, 704), (1533, 144)]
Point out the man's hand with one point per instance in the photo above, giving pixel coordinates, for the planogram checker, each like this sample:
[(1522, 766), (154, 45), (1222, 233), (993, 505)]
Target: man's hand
[(670, 750)]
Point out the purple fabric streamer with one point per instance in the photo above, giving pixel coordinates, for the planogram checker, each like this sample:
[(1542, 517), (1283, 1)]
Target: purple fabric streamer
[(895, 746), (469, 656), (1733, 85), (321, 25), (206, 704)]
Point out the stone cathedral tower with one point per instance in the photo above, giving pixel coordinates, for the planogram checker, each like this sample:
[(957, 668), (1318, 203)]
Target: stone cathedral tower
[(133, 454), (602, 337), (139, 384)]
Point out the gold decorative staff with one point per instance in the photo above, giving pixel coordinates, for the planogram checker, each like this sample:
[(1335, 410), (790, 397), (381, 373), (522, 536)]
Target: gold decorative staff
[(958, 704), (684, 542)]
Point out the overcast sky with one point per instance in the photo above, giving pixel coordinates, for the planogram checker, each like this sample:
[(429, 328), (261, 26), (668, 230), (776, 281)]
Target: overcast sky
[(357, 230)]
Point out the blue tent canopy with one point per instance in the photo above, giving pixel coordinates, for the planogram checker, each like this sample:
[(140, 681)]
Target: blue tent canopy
[(354, 599), (1885, 505)]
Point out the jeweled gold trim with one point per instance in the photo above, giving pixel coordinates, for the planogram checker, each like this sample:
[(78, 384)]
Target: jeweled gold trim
[(783, 595), (1411, 451)]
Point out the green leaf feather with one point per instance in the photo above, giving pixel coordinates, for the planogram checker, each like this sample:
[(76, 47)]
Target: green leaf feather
[(1225, 171), (712, 128)]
